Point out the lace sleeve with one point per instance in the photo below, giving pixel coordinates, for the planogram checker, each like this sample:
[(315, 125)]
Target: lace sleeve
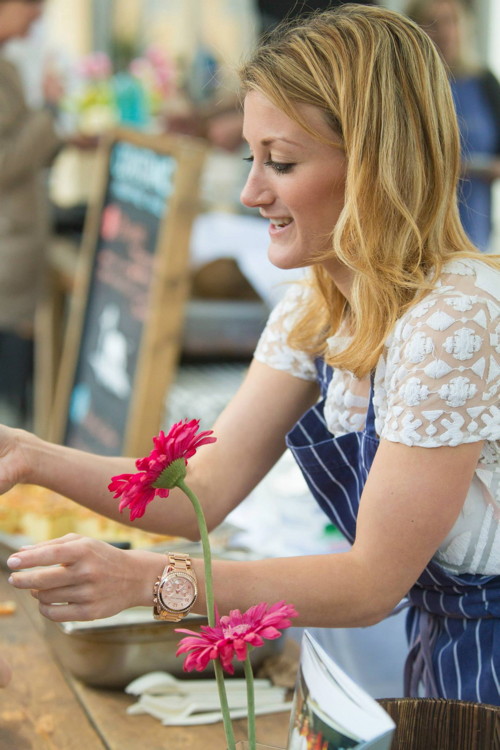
[(273, 349), (443, 370)]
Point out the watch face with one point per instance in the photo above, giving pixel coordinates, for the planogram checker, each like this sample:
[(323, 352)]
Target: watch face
[(177, 592)]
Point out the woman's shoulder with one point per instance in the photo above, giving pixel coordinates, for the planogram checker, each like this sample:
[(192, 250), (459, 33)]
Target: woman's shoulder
[(273, 348), (459, 315), (464, 287), (466, 274), (442, 374)]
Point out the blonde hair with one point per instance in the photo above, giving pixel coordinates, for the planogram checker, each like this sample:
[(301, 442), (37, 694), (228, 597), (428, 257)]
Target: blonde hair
[(383, 88)]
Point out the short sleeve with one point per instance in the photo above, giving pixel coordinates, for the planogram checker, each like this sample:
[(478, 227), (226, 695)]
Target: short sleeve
[(443, 366), (273, 349)]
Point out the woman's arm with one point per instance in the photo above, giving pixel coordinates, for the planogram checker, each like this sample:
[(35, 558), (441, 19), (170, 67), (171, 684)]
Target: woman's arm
[(28, 140), (485, 168), (250, 438), (410, 502)]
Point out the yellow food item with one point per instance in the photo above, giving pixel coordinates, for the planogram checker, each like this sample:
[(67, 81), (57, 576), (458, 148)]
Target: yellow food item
[(41, 514), (45, 724)]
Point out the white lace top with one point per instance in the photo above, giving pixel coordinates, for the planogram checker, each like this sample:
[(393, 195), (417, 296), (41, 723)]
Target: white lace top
[(436, 384)]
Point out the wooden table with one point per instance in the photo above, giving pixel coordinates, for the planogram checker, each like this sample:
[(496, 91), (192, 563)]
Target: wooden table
[(45, 708)]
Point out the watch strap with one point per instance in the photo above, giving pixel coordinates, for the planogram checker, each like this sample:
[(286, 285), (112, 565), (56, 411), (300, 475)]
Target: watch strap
[(179, 562)]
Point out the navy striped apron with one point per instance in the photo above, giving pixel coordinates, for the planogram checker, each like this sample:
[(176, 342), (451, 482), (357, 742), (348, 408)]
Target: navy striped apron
[(453, 623)]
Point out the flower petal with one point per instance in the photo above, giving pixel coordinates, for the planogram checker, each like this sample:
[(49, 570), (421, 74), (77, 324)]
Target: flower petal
[(136, 490)]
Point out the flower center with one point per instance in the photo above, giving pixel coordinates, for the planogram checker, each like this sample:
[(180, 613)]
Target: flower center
[(236, 630), (171, 475)]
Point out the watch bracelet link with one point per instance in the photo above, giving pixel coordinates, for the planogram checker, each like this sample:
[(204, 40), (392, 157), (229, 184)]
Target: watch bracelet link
[(175, 560)]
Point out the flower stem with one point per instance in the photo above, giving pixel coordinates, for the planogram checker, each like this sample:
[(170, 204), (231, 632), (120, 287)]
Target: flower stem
[(250, 701), (207, 553), (224, 705), (209, 593)]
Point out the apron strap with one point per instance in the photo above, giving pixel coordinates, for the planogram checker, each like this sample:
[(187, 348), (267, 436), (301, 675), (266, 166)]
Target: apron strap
[(418, 666), (370, 414)]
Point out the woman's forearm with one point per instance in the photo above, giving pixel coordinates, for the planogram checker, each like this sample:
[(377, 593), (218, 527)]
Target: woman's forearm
[(84, 478), (332, 590), (95, 580), (249, 440)]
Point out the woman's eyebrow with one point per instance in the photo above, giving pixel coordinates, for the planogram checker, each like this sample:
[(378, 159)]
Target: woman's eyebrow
[(273, 139)]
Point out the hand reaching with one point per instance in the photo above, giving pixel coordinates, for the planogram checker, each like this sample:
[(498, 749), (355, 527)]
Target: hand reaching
[(77, 578), (53, 84)]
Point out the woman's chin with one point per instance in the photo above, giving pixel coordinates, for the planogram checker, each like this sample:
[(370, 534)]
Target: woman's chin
[(286, 261)]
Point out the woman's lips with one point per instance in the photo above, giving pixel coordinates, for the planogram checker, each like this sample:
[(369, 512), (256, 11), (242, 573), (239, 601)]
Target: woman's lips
[(278, 226)]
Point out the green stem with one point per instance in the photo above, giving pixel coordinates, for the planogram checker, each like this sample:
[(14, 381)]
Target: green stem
[(209, 593), (250, 701), (224, 705), (207, 553)]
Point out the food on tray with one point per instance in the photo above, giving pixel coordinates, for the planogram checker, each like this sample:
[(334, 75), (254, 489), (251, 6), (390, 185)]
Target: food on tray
[(7, 608), (41, 514), (45, 724)]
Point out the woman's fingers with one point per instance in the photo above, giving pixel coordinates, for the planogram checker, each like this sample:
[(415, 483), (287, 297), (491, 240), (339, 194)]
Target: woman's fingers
[(77, 577), (69, 612), (54, 576), (63, 551), (57, 540), (64, 594)]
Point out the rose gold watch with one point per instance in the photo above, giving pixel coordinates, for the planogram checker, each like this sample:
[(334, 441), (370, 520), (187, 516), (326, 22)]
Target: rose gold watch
[(175, 590)]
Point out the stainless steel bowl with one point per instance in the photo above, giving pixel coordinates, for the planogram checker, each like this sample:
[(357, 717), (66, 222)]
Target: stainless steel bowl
[(112, 652)]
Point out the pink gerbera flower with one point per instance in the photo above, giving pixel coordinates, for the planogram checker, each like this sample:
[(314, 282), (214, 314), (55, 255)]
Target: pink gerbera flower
[(161, 470), (233, 634), (225, 637)]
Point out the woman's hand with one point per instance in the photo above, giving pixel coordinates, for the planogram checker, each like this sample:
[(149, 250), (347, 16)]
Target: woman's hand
[(77, 578)]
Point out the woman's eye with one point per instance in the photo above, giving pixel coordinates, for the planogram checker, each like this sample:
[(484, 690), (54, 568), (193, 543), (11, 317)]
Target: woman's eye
[(279, 166)]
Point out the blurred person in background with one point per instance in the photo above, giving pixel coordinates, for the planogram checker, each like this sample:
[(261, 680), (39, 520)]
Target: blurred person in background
[(29, 143), (223, 127), (476, 93), (272, 12)]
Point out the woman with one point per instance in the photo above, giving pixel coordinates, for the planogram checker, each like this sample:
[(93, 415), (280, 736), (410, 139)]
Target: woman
[(354, 153), (476, 92)]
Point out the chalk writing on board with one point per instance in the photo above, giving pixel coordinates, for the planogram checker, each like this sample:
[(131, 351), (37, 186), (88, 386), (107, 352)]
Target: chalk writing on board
[(140, 184), (141, 179)]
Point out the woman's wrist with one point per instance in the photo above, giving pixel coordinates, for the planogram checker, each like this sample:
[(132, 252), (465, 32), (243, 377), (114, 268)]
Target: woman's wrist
[(25, 460), (149, 566)]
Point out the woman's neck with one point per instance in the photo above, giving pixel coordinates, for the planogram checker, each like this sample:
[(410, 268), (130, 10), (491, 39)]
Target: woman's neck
[(341, 276)]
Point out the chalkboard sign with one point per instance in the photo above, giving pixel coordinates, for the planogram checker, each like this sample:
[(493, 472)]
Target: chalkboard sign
[(125, 325)]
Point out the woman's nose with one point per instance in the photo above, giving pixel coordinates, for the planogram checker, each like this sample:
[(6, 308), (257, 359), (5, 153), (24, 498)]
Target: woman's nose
[(256, 192)]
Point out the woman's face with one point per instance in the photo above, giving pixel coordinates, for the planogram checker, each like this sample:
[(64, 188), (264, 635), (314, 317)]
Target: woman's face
[(17, 17), (296, 182)]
